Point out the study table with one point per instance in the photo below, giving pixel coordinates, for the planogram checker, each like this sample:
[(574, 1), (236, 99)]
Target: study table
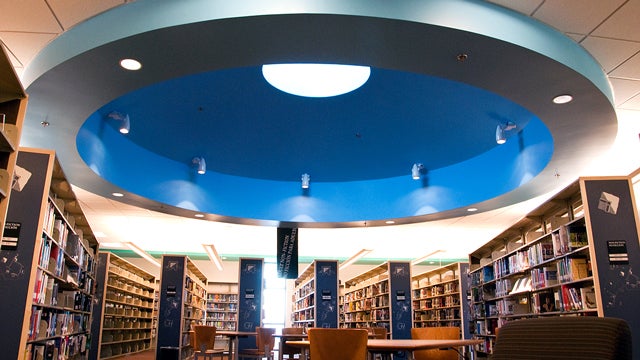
[(406, 345), (233, 337)]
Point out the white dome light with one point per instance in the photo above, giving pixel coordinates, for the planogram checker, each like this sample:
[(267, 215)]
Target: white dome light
[(316, 80)]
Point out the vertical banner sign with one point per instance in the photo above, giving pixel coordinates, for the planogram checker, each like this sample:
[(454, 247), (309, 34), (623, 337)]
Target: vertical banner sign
[(611, 215), (287, 255)]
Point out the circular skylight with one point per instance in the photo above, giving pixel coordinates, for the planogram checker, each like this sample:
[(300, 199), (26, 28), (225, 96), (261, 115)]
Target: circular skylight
[(316, 80)]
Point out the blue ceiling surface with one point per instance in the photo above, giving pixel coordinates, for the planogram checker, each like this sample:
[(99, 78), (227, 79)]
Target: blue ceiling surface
[(200, 92)]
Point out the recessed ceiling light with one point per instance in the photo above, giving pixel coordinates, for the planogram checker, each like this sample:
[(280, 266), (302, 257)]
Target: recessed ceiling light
[(562, 99), (389, 222), (472, 209), (130, 64), (117, 194), (199, 215), (316, 80)]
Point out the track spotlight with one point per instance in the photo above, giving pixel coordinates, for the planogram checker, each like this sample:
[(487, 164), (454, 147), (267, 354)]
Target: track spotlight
[(305, 180), (501, 132), (202, 165), (125, 124), (416, 170)]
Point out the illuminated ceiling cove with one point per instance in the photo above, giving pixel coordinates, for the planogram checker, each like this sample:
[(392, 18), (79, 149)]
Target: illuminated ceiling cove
[(445, 78)]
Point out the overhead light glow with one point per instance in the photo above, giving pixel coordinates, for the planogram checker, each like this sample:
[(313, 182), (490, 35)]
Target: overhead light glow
[(130, 64), (562, 99), (316, 80), (117, 194)]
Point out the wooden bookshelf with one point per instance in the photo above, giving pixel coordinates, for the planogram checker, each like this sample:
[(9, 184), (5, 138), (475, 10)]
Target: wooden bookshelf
[(380, 297), (182, 305), (13, 106), (439, 297), (123, 312), (557, 261), (315, 297), (222, 306), (51, 269)]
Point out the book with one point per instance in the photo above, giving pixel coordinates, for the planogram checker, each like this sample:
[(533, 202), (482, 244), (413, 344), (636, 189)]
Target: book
[(588, 295)]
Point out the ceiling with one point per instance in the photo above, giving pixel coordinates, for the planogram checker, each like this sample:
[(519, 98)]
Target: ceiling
[(607, 30)]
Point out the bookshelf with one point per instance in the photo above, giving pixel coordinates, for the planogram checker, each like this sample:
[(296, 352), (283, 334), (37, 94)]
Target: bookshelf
[(380, 297), (50, 272), (559, 260), (13, 105), (315, 297), (222, 306), (123, 312), (182, 305), (439, 297)]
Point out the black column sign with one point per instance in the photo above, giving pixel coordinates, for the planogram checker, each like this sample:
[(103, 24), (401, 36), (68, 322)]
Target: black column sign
[(287, 253), (10, 236)]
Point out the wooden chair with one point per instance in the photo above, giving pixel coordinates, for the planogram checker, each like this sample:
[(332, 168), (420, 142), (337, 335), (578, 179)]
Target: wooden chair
[(204, 342), (564, 337), (287, 350), (338, 344), (436, 333), (264, 345)]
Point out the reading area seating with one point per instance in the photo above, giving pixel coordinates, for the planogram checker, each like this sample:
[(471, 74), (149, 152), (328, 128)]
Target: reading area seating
[(564, 337), (338, 344)]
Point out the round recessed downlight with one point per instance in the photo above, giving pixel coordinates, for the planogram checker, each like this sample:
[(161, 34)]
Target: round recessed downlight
[(316, 80), (562, 99), (130, 64)]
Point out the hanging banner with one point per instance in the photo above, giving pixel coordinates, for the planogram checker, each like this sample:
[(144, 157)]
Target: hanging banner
[(287, 254)]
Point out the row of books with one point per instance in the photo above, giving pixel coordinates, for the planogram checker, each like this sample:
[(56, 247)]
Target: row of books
[(568, 238), (438, 315), (222, 298), (368, 291), (46, 323), (66, 347), (564, 298), (51, 257)]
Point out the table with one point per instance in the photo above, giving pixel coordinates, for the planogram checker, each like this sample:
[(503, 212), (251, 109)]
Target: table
[(407, 345), (287, 338), (233, 340)]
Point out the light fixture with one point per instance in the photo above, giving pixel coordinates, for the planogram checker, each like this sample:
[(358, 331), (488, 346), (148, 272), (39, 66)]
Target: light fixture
[(354, 258), (117, 194), (562, 99), (130, 64), (125, 123), (213, 255), (142, 253), (315, 80), (416, 170), (423, 258), (501, 132), (472, 209), (199, 215), (201, 164), (305, 180)]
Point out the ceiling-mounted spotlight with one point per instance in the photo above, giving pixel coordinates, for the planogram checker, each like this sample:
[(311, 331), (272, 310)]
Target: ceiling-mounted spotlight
[(501, 131), (416, 169), (125, 124), (202, 165), (305, 180)]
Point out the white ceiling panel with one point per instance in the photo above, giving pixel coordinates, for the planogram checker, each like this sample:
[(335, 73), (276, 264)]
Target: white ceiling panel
[(576, 16), (28, 16), (630, 69), (623, 24), (624, 89), (71, 12), (611, 53)]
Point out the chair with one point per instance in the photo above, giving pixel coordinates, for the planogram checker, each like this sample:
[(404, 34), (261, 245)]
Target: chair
[(436, 333), (288, 350), (566, 337), (264, 345), (204, 342), (338, 344)]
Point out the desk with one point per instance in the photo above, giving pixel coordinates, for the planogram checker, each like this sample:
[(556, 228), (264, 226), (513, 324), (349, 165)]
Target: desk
[(233, 340), (287, 338), (407, 345)]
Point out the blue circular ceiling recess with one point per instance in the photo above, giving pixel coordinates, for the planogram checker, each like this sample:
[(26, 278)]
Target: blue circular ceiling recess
[(438, 89)]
